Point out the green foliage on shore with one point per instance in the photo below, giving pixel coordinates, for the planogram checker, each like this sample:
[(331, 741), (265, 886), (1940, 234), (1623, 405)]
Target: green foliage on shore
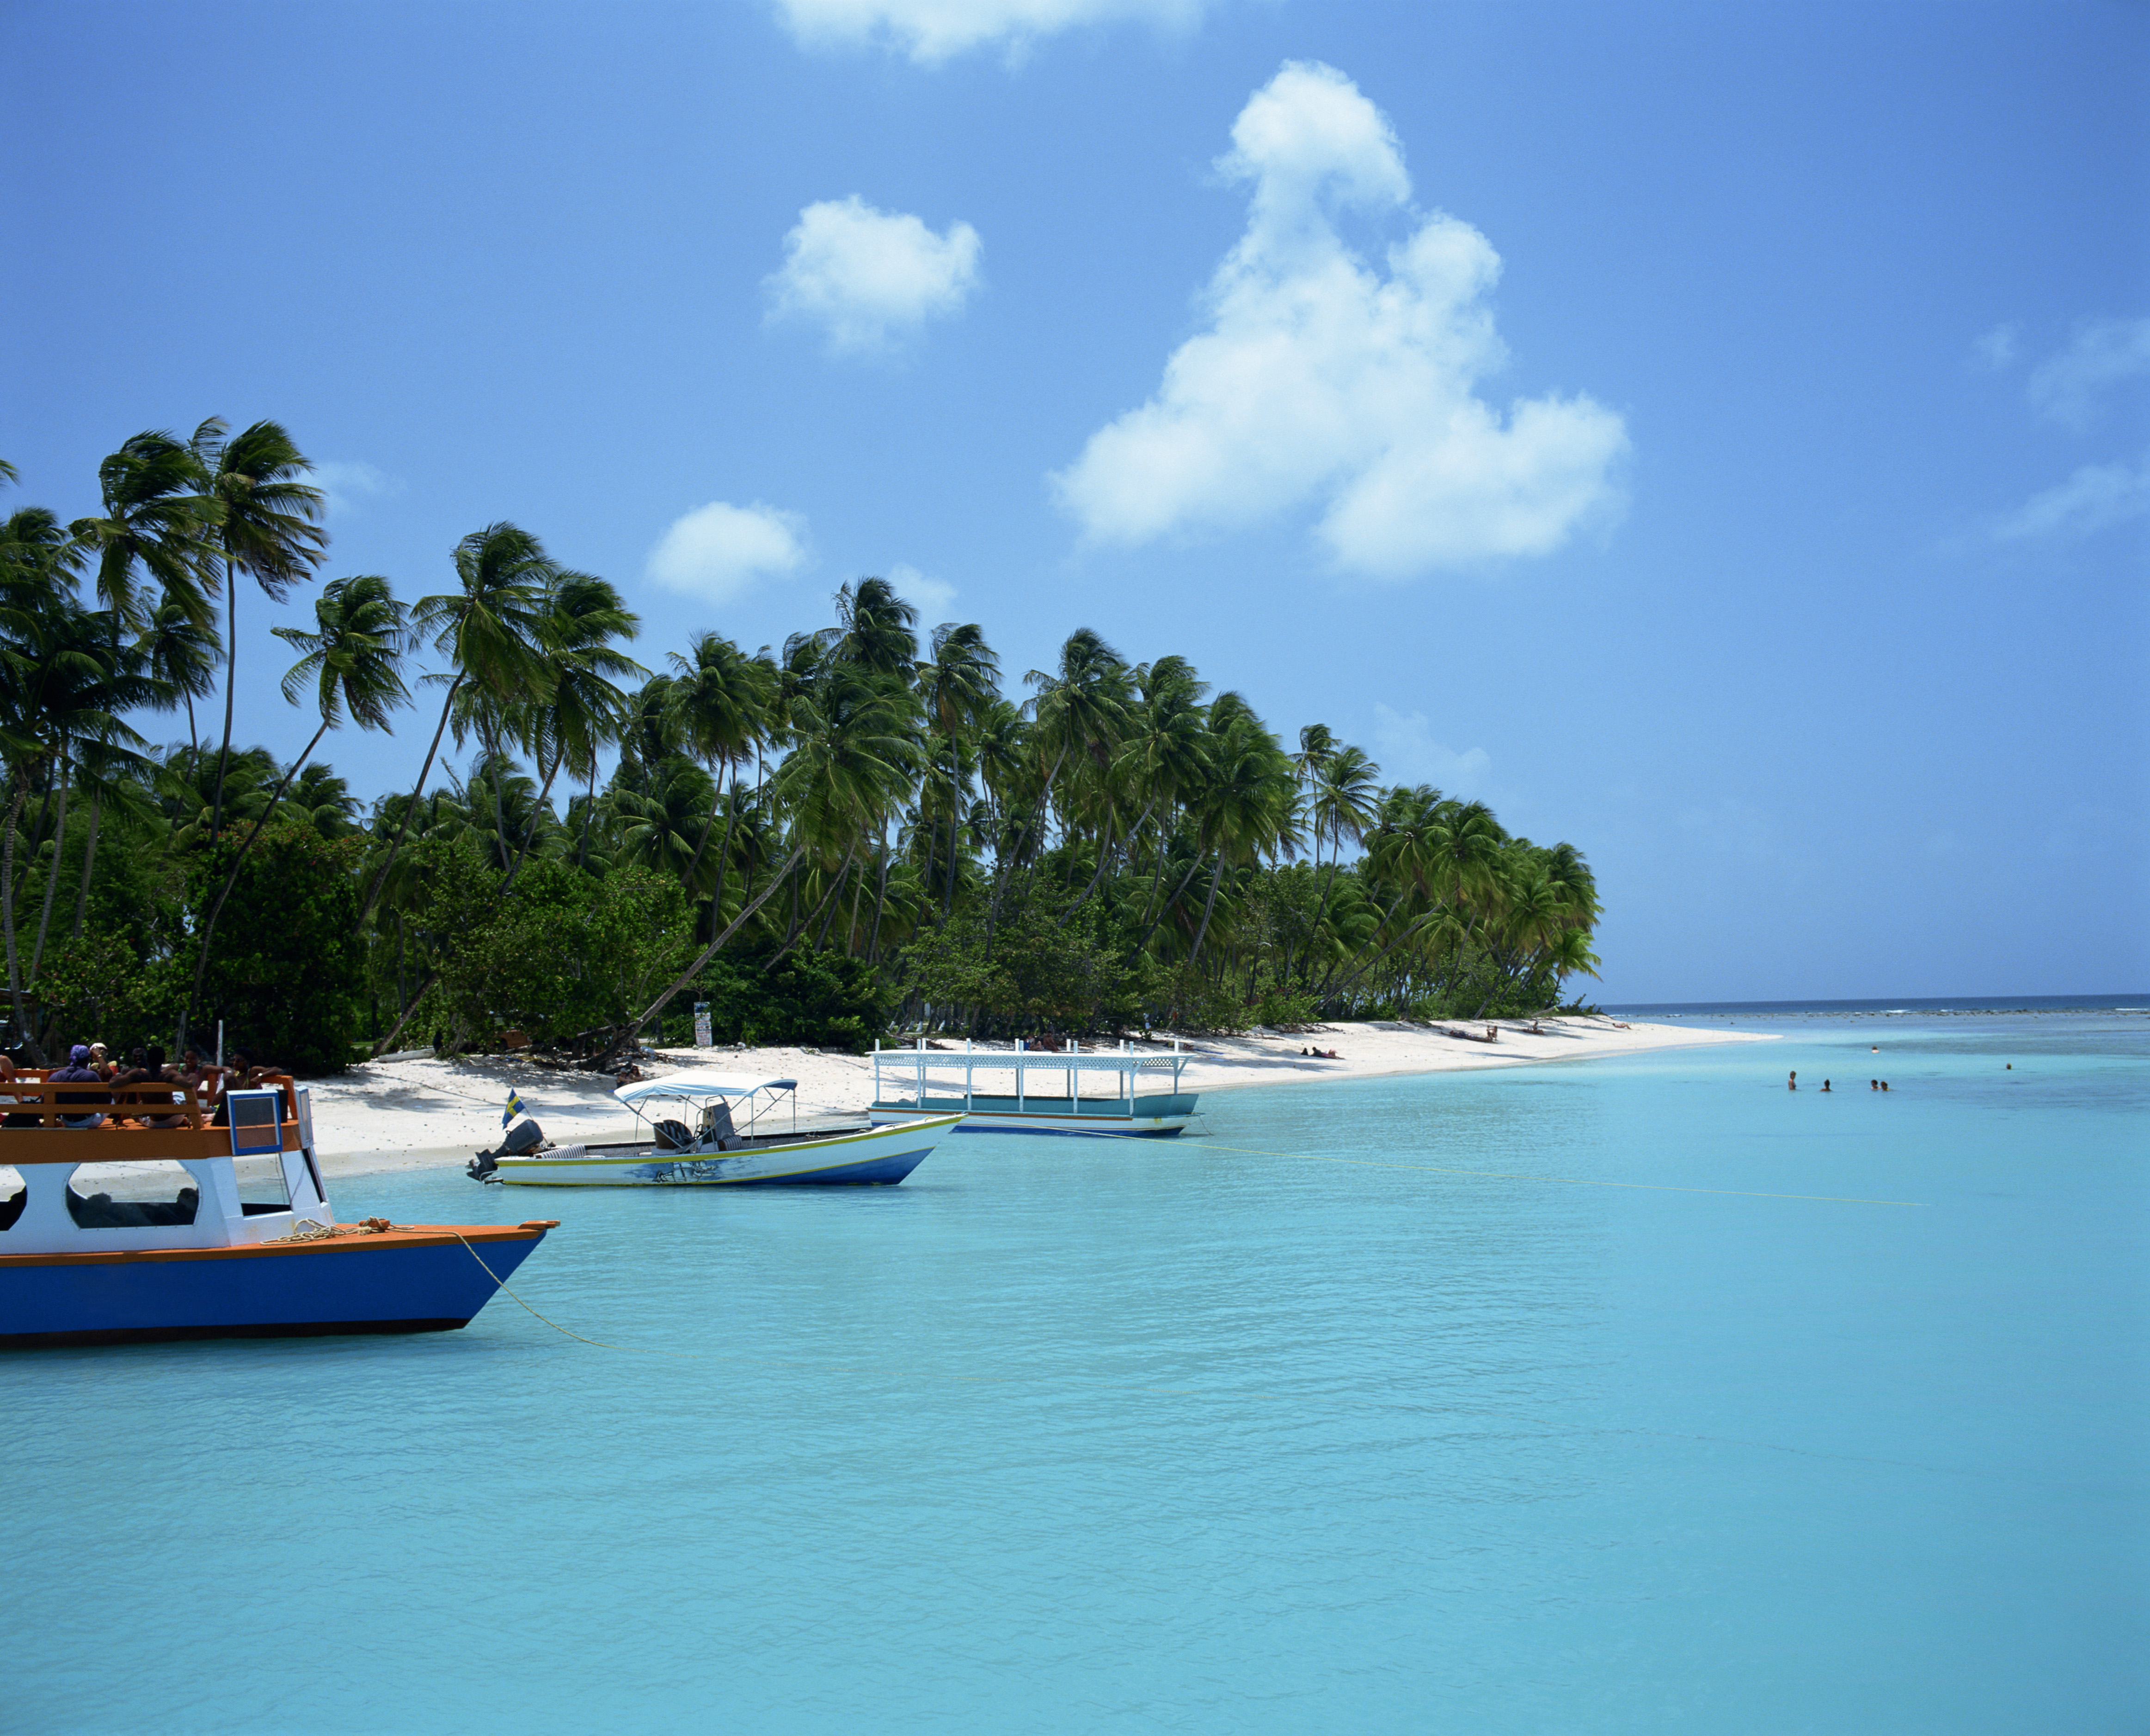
[(286, 978), (865, 829)]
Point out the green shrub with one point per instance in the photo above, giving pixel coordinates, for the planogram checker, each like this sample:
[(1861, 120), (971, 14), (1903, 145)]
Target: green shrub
[(287, 963)]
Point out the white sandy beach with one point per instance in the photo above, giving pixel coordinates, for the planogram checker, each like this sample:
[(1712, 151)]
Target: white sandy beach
[(423, 1113)]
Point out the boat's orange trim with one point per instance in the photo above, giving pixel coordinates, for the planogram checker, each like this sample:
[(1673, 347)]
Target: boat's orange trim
[(411, 1235)]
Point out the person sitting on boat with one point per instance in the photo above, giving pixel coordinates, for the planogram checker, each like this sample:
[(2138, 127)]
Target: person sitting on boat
[(235, 1077), (151, 1080), (20, 1118), (136, 1070), (77, 1068)]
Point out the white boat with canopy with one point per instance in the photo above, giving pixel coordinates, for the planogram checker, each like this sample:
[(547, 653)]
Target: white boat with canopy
[(1031, 1090), (727, 1130)]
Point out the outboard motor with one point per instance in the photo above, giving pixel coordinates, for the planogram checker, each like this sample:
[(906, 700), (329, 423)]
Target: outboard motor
[(525, 1137)]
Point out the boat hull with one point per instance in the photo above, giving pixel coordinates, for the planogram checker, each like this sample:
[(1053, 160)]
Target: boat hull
[(879, 1157), (424, 1278)]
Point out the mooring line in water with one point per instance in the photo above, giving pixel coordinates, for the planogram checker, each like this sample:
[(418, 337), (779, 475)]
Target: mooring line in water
[(631, 1349), (1573, 1181)]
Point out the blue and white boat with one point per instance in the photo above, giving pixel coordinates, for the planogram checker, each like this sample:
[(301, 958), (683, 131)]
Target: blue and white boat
[(722, 1130), (1030, 1091), (113, 1229)]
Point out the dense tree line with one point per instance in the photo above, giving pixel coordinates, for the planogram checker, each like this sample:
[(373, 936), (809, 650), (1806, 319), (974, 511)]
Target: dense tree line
[(862, 829)]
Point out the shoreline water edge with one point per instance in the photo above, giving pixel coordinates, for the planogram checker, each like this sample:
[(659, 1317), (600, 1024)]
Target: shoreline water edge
[(419, 1112)]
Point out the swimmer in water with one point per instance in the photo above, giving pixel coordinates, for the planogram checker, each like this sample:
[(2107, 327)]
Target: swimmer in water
[(1793, 1083), (1825, 1084)]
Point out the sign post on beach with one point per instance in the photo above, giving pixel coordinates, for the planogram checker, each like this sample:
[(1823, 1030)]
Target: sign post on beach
[(702, 1038)]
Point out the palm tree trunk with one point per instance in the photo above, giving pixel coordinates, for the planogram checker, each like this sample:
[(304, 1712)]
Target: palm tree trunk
[(1105, 855), (589, 807), (851, 928), (53, 876), (709, 952), (1178, 892), (380, 879), (403, 1018), (827, 899), (88, 862), (880, 898), (494, 776), (955, 843), (22, 781), (724, 851), (1321, 910), (544, 791), (230, 683), (1156, 879), (1210, 905), (833, 902)]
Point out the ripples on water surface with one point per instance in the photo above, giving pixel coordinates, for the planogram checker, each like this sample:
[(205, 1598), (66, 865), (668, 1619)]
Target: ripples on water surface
[(1066, 1435)]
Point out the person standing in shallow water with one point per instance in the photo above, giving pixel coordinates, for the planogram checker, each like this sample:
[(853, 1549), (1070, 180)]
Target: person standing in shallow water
[(1793, 1083), (1825, 1084)]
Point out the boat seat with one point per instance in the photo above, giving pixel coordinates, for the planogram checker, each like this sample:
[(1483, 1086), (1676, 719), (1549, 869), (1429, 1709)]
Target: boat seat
[(673, 1135), (717, 1127)]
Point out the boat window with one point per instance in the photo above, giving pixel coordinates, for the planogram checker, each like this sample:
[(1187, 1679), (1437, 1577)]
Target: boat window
[(261, 1187), (138, 1195), (14, 1195), (256, 1120)]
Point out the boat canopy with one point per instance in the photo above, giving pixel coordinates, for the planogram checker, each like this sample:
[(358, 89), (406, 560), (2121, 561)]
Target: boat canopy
[(690, 1085)]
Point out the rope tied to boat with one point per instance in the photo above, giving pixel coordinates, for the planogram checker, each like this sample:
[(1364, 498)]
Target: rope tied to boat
[(631, 1349)]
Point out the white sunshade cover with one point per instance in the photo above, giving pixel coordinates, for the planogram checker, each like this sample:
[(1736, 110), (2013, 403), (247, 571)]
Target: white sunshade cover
[(700, 1084)]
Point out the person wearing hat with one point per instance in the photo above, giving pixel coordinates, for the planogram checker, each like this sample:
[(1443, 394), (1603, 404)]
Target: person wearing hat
[(77, 1068)]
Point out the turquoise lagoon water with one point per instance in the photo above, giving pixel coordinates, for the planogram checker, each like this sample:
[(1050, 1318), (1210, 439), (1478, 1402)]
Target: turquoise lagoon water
[(1077, 1436)]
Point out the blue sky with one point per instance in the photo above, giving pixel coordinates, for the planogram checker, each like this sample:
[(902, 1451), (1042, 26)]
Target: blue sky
[(1716, 435)]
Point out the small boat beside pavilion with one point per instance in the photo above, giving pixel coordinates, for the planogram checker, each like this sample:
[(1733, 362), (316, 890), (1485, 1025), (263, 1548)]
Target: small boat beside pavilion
[(726, 1130)]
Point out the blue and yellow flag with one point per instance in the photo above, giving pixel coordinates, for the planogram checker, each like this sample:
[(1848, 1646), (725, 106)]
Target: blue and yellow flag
[(514, 1109)]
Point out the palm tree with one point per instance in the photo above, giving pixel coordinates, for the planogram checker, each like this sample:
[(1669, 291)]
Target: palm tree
[(61, 697), (1250, 805), (957, 685), (1344, 795), (722, 701), (876, 628), (584, 709), (265, 524), (354, 663), (491, 630), (851, 761), (1165, 753), (157, 522), (181, 654)]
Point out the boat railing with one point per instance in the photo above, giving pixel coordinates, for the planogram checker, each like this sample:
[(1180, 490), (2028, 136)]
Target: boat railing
[(913, 1066), (35, 1112)]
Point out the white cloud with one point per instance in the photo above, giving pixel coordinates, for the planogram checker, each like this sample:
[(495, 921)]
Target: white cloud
[(715, 552), (2095, 498), (932, 595), (2102, 353), (868, 277), (1995, 349), (343, 484), (930, 31), (1319, 377), (1404, 747)]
